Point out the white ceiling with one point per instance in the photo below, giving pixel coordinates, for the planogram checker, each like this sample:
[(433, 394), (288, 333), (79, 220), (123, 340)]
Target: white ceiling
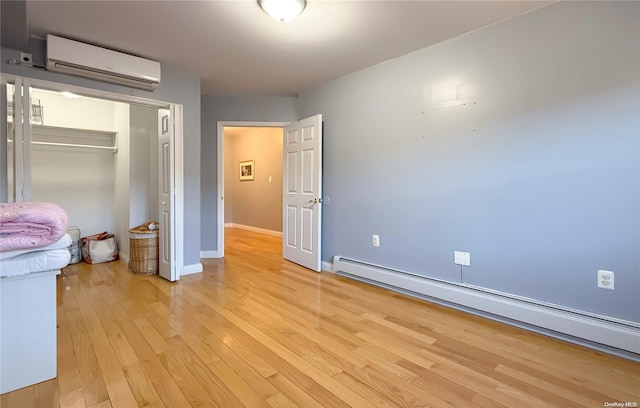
[(236, 49), (238, 130)]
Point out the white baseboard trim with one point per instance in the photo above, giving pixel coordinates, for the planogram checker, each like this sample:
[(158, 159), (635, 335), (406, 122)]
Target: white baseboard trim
[(124, 258), (254, 229), (209, 255), (190, 269), (609, 335), (327, 267)]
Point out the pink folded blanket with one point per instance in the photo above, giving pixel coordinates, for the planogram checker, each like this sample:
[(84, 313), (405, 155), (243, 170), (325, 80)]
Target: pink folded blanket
[(30, 225)]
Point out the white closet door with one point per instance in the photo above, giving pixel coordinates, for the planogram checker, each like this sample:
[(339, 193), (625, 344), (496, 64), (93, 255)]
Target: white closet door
[(21, 141), (166, 187)]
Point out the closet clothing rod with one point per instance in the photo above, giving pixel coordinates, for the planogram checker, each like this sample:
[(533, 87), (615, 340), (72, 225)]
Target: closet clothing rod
[(113, 149)]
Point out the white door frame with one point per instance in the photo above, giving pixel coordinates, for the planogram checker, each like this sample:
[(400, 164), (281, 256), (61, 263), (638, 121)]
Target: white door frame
[(178, 176), (219, 251)]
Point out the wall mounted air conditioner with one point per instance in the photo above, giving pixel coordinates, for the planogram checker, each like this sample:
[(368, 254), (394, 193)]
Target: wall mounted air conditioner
[(78, 58)]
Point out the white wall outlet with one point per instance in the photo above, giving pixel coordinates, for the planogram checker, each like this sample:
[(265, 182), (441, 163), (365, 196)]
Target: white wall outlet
[(462, 258), (605, 280), (375, 240)]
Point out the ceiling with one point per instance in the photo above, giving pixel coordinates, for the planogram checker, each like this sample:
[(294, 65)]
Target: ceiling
[(238, 130), (237, 49)]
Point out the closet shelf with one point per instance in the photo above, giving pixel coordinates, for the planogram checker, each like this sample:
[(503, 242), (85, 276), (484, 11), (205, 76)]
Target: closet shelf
[(57, 132)]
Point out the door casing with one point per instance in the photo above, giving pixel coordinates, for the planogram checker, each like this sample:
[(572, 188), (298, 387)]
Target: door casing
[(219, 251)]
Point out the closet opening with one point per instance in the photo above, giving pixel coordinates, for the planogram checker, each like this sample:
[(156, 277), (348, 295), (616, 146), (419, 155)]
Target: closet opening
[(105, 158)]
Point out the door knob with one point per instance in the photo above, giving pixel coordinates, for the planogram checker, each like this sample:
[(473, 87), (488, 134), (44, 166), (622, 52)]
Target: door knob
[(316, 200)]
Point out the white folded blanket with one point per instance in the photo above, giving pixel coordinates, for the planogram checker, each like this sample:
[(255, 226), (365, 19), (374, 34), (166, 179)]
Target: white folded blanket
[(62, 243), (34, 262)]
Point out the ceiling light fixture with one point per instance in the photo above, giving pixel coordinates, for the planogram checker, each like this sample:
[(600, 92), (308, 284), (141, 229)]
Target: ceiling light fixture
[(283, 10)]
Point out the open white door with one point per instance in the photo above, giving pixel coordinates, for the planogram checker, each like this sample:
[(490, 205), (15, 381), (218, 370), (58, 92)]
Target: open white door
[(302, 190), (167, 268)]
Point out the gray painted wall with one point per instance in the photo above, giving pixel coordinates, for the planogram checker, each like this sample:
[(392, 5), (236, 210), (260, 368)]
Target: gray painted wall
[(176, 87), (230, 108), (537, 175), (14, 32)]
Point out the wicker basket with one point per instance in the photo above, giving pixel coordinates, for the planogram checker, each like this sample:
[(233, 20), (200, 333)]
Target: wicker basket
[(143, 247)]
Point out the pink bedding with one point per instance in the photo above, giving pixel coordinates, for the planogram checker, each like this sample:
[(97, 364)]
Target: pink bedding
[(30, 225)]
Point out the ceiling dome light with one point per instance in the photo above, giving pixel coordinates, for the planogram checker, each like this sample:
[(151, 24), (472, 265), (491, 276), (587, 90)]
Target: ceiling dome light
[(283, 10)]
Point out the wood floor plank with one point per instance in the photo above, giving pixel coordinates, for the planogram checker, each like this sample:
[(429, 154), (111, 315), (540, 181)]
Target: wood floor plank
[(125, 353), (254, 330), (563, 394), (42, 395), (143, 389), (104, 404), (246, 372), (83, 348), (69, 379), (396, 348), (318, 375), (386, 361), (314, 339), (73, 399), (188, 385), (302, 398), (149, 332), (281, 401), (116, 384), (141, 347), (244, 351), (297, 377), (94, 390), (169, 392), (218, 391), (93, 387)]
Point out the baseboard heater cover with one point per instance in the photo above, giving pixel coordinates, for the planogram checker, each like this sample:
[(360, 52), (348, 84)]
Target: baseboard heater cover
[(527, 314)]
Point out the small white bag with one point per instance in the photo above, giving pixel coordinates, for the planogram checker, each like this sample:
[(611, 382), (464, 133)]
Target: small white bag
[(99, 248)]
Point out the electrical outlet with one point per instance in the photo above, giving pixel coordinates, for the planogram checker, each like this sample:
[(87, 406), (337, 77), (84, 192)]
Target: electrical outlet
[(605, 280), (462, 258), (375, 240)]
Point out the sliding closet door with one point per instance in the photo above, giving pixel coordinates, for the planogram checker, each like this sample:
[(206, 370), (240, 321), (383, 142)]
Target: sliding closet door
[(21, 137), (6, 142), (165, 194)]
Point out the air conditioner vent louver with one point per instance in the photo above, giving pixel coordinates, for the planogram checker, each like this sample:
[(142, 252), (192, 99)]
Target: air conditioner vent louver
[(77, 58)]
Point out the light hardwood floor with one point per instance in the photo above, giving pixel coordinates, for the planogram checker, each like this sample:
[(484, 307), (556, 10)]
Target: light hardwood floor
[(256, 331)]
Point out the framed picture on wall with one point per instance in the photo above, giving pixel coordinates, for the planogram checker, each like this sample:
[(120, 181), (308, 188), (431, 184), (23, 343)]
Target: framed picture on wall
[(247, 170)]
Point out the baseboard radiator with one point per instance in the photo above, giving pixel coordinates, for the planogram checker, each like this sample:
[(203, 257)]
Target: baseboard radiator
[(613, 336)]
